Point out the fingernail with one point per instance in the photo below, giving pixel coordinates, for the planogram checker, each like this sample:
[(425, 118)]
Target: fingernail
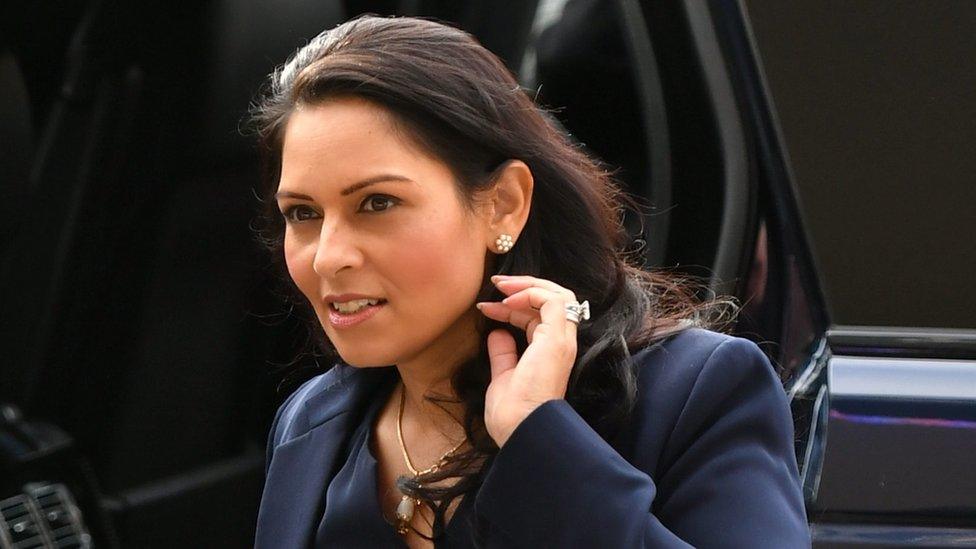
[(496, 278)]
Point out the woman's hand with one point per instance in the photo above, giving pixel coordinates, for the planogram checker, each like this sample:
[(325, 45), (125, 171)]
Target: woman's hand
[(520, 385)]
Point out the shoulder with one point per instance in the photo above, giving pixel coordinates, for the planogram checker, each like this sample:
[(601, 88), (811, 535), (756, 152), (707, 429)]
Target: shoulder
[(286, 425), (291, 419), (341, 389), (697, 378), (688, 356)]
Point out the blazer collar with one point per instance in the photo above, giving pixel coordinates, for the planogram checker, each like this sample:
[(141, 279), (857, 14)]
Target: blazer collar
[(302, 467), (348, 390)]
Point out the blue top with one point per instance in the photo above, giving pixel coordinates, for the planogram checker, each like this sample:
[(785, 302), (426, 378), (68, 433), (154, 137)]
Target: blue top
[(705, 460), (353, 517)]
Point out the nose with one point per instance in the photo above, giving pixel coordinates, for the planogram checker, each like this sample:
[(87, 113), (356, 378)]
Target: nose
[(337, 249)]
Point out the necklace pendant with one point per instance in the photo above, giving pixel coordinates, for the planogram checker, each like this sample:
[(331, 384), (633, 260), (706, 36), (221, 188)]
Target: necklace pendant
[(405, 509), (404, 513)]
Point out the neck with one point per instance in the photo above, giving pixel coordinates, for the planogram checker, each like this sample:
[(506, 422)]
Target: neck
[(430, 372), (426, 416)]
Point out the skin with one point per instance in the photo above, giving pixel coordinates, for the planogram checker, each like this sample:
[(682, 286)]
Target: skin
[(411, 241)]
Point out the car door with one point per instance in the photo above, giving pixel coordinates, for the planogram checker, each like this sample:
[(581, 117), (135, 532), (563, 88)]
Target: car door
[(871, 101)]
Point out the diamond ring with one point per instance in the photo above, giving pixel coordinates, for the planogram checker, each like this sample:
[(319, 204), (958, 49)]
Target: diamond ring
[(575, 311)]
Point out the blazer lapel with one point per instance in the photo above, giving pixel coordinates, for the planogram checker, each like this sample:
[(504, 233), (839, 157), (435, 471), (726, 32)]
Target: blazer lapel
[(302, 467)]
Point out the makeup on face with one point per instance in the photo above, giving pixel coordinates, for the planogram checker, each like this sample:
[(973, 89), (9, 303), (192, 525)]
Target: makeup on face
[(376, 236)]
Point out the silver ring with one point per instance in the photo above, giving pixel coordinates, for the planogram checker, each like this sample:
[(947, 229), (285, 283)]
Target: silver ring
[(575, 311)]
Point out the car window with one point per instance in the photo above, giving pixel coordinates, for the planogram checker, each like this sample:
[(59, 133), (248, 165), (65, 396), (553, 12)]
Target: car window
[(601, 112), (875, 100)]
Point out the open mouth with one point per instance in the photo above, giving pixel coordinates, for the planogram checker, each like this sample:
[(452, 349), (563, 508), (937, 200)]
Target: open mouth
[(351, 313), (355, 306)]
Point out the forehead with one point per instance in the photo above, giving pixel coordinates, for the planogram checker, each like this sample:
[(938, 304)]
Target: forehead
[(346, 136), (330, 146), (334, 144)]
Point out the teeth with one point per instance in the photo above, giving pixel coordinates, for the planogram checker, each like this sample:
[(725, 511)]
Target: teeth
[(354, 305)]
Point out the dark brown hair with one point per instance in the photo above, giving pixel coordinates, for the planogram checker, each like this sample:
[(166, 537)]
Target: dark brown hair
[(459, 102)]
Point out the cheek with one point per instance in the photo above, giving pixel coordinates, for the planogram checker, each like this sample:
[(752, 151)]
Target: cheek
[(445, 262), (298, 259)]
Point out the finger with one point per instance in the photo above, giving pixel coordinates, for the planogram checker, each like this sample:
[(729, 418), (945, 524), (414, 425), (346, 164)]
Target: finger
[(553, 314), (531, 327), (543, 299), (508, 287), (552, 309), (503, 313), (502, 353), (532, 298), (510, 284), (552, 358)]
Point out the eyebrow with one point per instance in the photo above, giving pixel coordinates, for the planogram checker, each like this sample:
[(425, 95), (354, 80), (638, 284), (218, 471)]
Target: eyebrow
[(351, 188)]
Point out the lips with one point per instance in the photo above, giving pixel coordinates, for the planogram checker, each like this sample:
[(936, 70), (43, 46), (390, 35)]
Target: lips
[(351, 312)]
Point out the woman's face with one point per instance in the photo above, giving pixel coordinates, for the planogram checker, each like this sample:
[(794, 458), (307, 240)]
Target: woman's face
[(370, 215)]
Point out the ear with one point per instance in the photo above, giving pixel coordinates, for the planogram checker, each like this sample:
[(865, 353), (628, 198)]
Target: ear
[(509, 201)]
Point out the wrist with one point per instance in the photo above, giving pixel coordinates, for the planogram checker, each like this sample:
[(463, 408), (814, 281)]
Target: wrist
[(514, 418)]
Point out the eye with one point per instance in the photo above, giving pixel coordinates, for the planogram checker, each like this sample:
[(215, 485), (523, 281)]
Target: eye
[(298, 213), (378, 203)]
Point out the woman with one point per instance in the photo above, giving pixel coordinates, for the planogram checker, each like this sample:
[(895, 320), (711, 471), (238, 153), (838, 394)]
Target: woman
[(570, 401)]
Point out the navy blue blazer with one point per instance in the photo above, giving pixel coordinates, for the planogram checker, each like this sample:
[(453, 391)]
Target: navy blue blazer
[(706, 460)]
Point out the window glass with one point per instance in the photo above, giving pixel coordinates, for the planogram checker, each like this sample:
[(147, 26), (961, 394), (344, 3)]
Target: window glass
[(877, 106), (579, 67)]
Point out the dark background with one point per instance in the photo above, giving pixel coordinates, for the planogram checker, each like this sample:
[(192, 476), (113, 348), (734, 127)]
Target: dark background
[(877, 104)]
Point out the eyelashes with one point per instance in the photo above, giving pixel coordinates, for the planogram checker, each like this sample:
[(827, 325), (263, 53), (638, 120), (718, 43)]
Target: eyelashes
[(295, 214), (374, 203), (389, 201)]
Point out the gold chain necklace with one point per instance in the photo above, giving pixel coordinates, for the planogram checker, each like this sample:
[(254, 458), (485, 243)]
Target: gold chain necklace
[(407, 506)]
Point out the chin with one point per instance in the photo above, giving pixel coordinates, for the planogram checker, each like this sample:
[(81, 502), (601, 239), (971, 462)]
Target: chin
[(365, 360), (361, 360), (359, 364), (367, 366)]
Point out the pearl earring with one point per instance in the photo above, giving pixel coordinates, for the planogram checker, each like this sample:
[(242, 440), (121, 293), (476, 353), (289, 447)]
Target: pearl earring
[(504, 243)]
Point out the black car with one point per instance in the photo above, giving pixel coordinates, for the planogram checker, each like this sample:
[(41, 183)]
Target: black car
[(145, 344)]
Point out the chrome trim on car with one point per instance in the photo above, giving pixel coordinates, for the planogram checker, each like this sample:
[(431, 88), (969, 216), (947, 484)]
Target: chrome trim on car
[(903, 378)]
